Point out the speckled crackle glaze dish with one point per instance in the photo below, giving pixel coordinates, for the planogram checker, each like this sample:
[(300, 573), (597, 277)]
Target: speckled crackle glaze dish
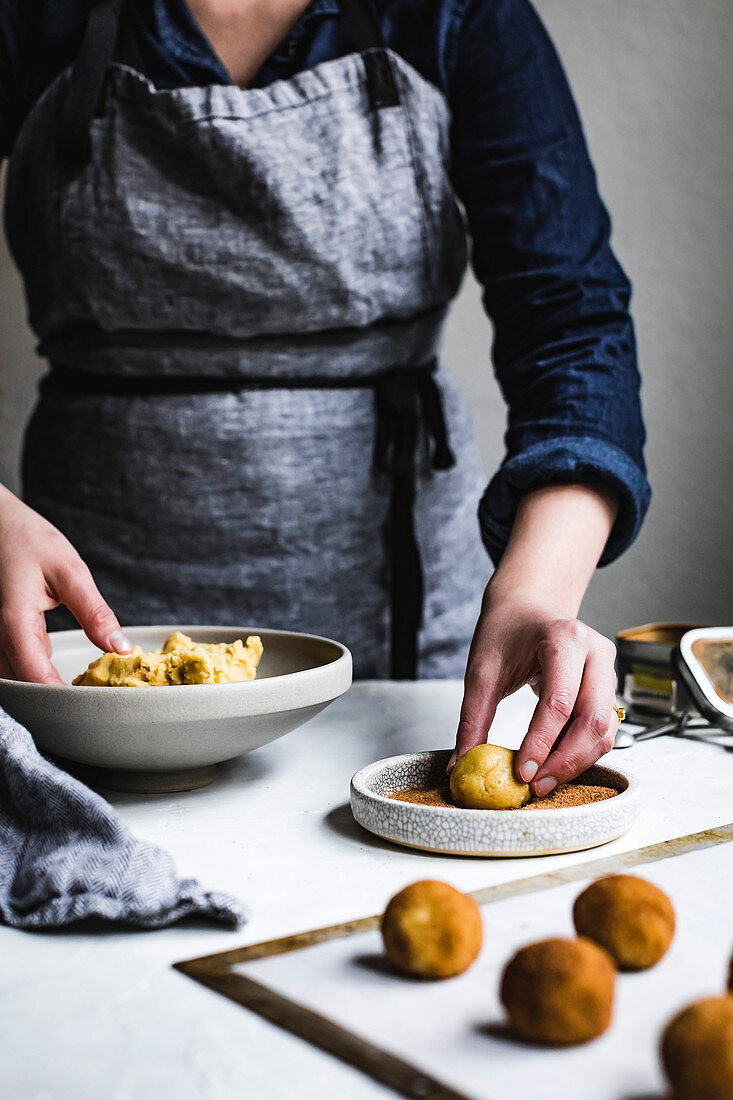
[(450, 830), (172, 738)]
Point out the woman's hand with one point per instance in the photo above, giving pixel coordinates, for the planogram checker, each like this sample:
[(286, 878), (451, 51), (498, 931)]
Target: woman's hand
[(571, 668), (40, 569), (528, 633)]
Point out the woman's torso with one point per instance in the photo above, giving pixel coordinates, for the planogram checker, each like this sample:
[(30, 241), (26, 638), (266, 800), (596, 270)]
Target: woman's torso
[(282, 233)]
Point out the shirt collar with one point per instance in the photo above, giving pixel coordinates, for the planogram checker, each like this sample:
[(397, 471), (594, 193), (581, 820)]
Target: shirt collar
[(316, 9), (320, 7), (177, 27)]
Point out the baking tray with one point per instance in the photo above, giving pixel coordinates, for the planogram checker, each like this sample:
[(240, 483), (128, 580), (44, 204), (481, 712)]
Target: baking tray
[(446, 1040)]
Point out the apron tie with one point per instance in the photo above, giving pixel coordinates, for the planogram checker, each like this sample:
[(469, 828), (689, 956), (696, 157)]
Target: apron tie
[(408, 409), (408, 405)]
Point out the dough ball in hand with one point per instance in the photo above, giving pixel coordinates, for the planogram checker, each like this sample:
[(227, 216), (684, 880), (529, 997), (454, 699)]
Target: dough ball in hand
[(697, 1050), (559, 991), (484, 779), (431, 930), (633, 919)]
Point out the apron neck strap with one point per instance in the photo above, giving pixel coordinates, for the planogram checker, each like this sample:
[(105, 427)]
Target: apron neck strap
[(87, 80), (366, 27), (368, 35)]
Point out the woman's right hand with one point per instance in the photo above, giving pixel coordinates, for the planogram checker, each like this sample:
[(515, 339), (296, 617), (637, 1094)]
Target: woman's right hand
[(40, 569)]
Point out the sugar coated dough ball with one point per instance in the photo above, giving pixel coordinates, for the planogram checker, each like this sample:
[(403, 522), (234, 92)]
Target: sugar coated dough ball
[(484, 779), (432, 930), (630, 917), (559, 991), (697, 1050)]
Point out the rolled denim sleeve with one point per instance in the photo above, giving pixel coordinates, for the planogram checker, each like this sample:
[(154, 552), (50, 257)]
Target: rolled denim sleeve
[(564, 349)]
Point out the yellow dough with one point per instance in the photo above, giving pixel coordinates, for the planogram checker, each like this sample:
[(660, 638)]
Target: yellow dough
[(483, 779), (697, 1050), (432, 930), (180, 661)]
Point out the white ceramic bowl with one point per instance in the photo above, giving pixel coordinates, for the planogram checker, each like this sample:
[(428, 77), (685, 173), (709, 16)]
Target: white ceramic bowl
[(170, 738), (485, 832)]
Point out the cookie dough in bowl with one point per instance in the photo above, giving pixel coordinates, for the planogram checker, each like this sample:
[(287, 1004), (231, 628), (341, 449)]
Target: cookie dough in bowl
[(180, 661), (158, 737)]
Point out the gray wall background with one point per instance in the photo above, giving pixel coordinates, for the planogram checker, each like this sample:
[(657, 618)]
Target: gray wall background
[(654, 82)]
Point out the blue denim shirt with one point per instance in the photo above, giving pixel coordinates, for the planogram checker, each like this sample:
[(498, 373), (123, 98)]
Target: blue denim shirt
[(564, 351)]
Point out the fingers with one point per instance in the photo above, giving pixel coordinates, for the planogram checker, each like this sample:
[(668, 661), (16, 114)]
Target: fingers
[(25, 647), (481, 696), (74, 586), (572, 669), (592, 731), (561, 657), (25, 644), (39, 569)]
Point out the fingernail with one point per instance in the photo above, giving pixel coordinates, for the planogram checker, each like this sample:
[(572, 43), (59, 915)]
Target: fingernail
[(544, 786), (451, 762), (119, 643), (528, 770)]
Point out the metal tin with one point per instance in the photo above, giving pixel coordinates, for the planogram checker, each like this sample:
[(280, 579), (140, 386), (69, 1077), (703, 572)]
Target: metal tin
[(647, 680), (704, 663)]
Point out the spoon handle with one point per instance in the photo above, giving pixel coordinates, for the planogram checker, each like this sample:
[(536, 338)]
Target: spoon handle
[(671, 726)]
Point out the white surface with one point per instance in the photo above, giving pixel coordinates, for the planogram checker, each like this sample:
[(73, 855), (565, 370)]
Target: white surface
[(446, 1028), (90, 1015)]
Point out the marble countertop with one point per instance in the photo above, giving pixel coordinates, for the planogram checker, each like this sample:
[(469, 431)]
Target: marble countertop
[(99, 1012)]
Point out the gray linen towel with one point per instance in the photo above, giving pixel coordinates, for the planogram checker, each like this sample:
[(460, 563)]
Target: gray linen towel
[(65, 854)]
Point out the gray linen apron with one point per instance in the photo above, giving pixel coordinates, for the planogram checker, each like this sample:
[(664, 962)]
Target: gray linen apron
[(241, 295)]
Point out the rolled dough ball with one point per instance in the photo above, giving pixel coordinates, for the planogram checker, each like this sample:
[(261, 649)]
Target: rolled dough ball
[(559, 991), (697, 1050), (432, 930), (483, 779), (630, 917)]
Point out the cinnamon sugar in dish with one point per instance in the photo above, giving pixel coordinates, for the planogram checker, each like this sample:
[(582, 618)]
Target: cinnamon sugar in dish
[(427, 796), (567, 794)]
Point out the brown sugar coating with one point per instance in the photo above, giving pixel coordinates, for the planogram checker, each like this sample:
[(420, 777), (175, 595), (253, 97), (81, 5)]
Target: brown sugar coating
[(559, 991), (432, 930), (567, 794), (571, 794), (628, 916), (697, 1050), (427, 796)]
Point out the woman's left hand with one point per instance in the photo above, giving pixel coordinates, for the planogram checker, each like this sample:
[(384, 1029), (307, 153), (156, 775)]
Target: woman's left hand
[(520, 639)]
